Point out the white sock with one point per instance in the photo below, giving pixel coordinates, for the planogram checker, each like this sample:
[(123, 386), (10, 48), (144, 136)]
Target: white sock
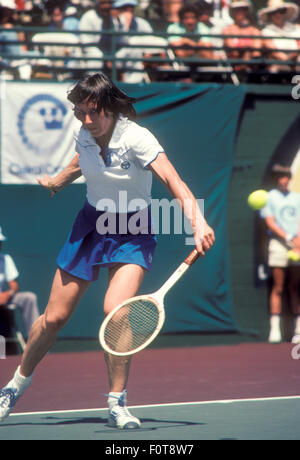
[(297, 324), (19, 382), (113, 399), (275, 322)]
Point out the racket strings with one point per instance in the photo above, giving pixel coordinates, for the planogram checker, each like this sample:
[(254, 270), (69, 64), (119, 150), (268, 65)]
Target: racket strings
[(131, 326)]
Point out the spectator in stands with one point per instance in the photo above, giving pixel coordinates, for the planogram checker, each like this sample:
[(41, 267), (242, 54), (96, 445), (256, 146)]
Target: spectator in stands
[(127, 18), (7, 9), (187, 46), (13, 65), (207, 25), (65, 46), (125, 12), (282, 218), (56, 12), (242, 47), (277, 19), (25, 301), (99, 20), (71, 20)]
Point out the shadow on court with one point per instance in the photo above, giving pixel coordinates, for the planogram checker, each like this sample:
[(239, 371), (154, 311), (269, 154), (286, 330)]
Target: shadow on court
[(174, 391), (257, 419)]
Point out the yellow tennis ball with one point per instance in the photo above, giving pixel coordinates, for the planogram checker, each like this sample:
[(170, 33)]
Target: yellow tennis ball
[(258, 199), (293, 255)]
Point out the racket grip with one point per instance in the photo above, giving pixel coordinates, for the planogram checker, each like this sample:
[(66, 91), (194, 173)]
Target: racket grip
[(192, 257)]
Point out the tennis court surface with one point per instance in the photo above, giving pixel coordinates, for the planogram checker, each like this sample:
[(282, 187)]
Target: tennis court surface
[(233, 392)]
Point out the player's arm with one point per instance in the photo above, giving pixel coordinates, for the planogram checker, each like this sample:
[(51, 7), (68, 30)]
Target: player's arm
[(64, 178), (166, 173)]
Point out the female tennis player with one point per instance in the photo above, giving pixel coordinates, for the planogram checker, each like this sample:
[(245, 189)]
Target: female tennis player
[(115, 155)]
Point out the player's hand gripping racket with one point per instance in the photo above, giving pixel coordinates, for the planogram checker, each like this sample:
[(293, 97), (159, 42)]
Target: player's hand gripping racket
[(134, 324)]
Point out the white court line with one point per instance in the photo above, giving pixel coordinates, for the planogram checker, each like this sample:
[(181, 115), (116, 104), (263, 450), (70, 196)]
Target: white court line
[(221, 401)]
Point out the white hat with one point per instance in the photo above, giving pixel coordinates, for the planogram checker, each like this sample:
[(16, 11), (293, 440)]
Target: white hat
[(240, 4), (2, 237), (11, 4), (292, 10), (121, 3)]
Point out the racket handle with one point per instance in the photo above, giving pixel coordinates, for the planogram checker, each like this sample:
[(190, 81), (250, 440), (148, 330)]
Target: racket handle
[(192, 257)]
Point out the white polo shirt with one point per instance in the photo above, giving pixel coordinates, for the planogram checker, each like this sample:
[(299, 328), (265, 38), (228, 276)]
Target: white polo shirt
[(8, 270), (116, 184)]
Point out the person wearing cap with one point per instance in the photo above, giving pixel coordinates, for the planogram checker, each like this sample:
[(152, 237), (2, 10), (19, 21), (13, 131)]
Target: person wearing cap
[(277, 19), (241, 46), (9, 290), (282, 218), (125, 10), (71, 20), (99, 20)]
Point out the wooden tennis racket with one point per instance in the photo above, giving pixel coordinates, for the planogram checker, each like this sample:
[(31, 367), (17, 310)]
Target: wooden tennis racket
[(134, 324)]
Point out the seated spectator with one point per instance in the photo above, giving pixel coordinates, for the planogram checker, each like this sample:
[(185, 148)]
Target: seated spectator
[(277, 19), (124, 10), (186, 46), (16, 67), (25, 301), (242, 47), (71, 20), (130, 22), (207, 26), (99, 20), (63, 47)]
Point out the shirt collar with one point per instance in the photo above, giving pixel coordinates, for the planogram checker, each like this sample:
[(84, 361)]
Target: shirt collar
[(87, 139)]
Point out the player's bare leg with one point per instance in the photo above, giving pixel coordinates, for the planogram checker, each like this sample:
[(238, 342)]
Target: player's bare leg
[(65, 294), (124, 282)]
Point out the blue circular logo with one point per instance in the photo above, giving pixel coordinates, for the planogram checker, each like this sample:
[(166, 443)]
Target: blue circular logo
[(41, 123)]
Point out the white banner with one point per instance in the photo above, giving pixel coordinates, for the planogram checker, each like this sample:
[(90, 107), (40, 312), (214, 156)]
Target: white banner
[(37, 124)]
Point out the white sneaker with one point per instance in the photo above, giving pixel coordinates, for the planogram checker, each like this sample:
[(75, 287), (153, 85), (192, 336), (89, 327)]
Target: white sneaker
[(12, 392), (275, 336), (7, 401), (120, 417)]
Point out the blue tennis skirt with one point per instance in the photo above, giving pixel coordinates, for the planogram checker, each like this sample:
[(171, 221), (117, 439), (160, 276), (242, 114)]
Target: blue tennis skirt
[(87, 249)]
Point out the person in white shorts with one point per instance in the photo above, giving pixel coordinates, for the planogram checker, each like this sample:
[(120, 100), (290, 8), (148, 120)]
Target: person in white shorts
[(282, 217), (9, 290)]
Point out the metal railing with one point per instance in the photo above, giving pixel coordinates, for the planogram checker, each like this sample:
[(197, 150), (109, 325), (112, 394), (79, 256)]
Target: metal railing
[(223, 63)]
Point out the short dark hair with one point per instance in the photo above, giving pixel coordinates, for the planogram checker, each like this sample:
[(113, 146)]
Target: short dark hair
[(101, 90), (188, 9)]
